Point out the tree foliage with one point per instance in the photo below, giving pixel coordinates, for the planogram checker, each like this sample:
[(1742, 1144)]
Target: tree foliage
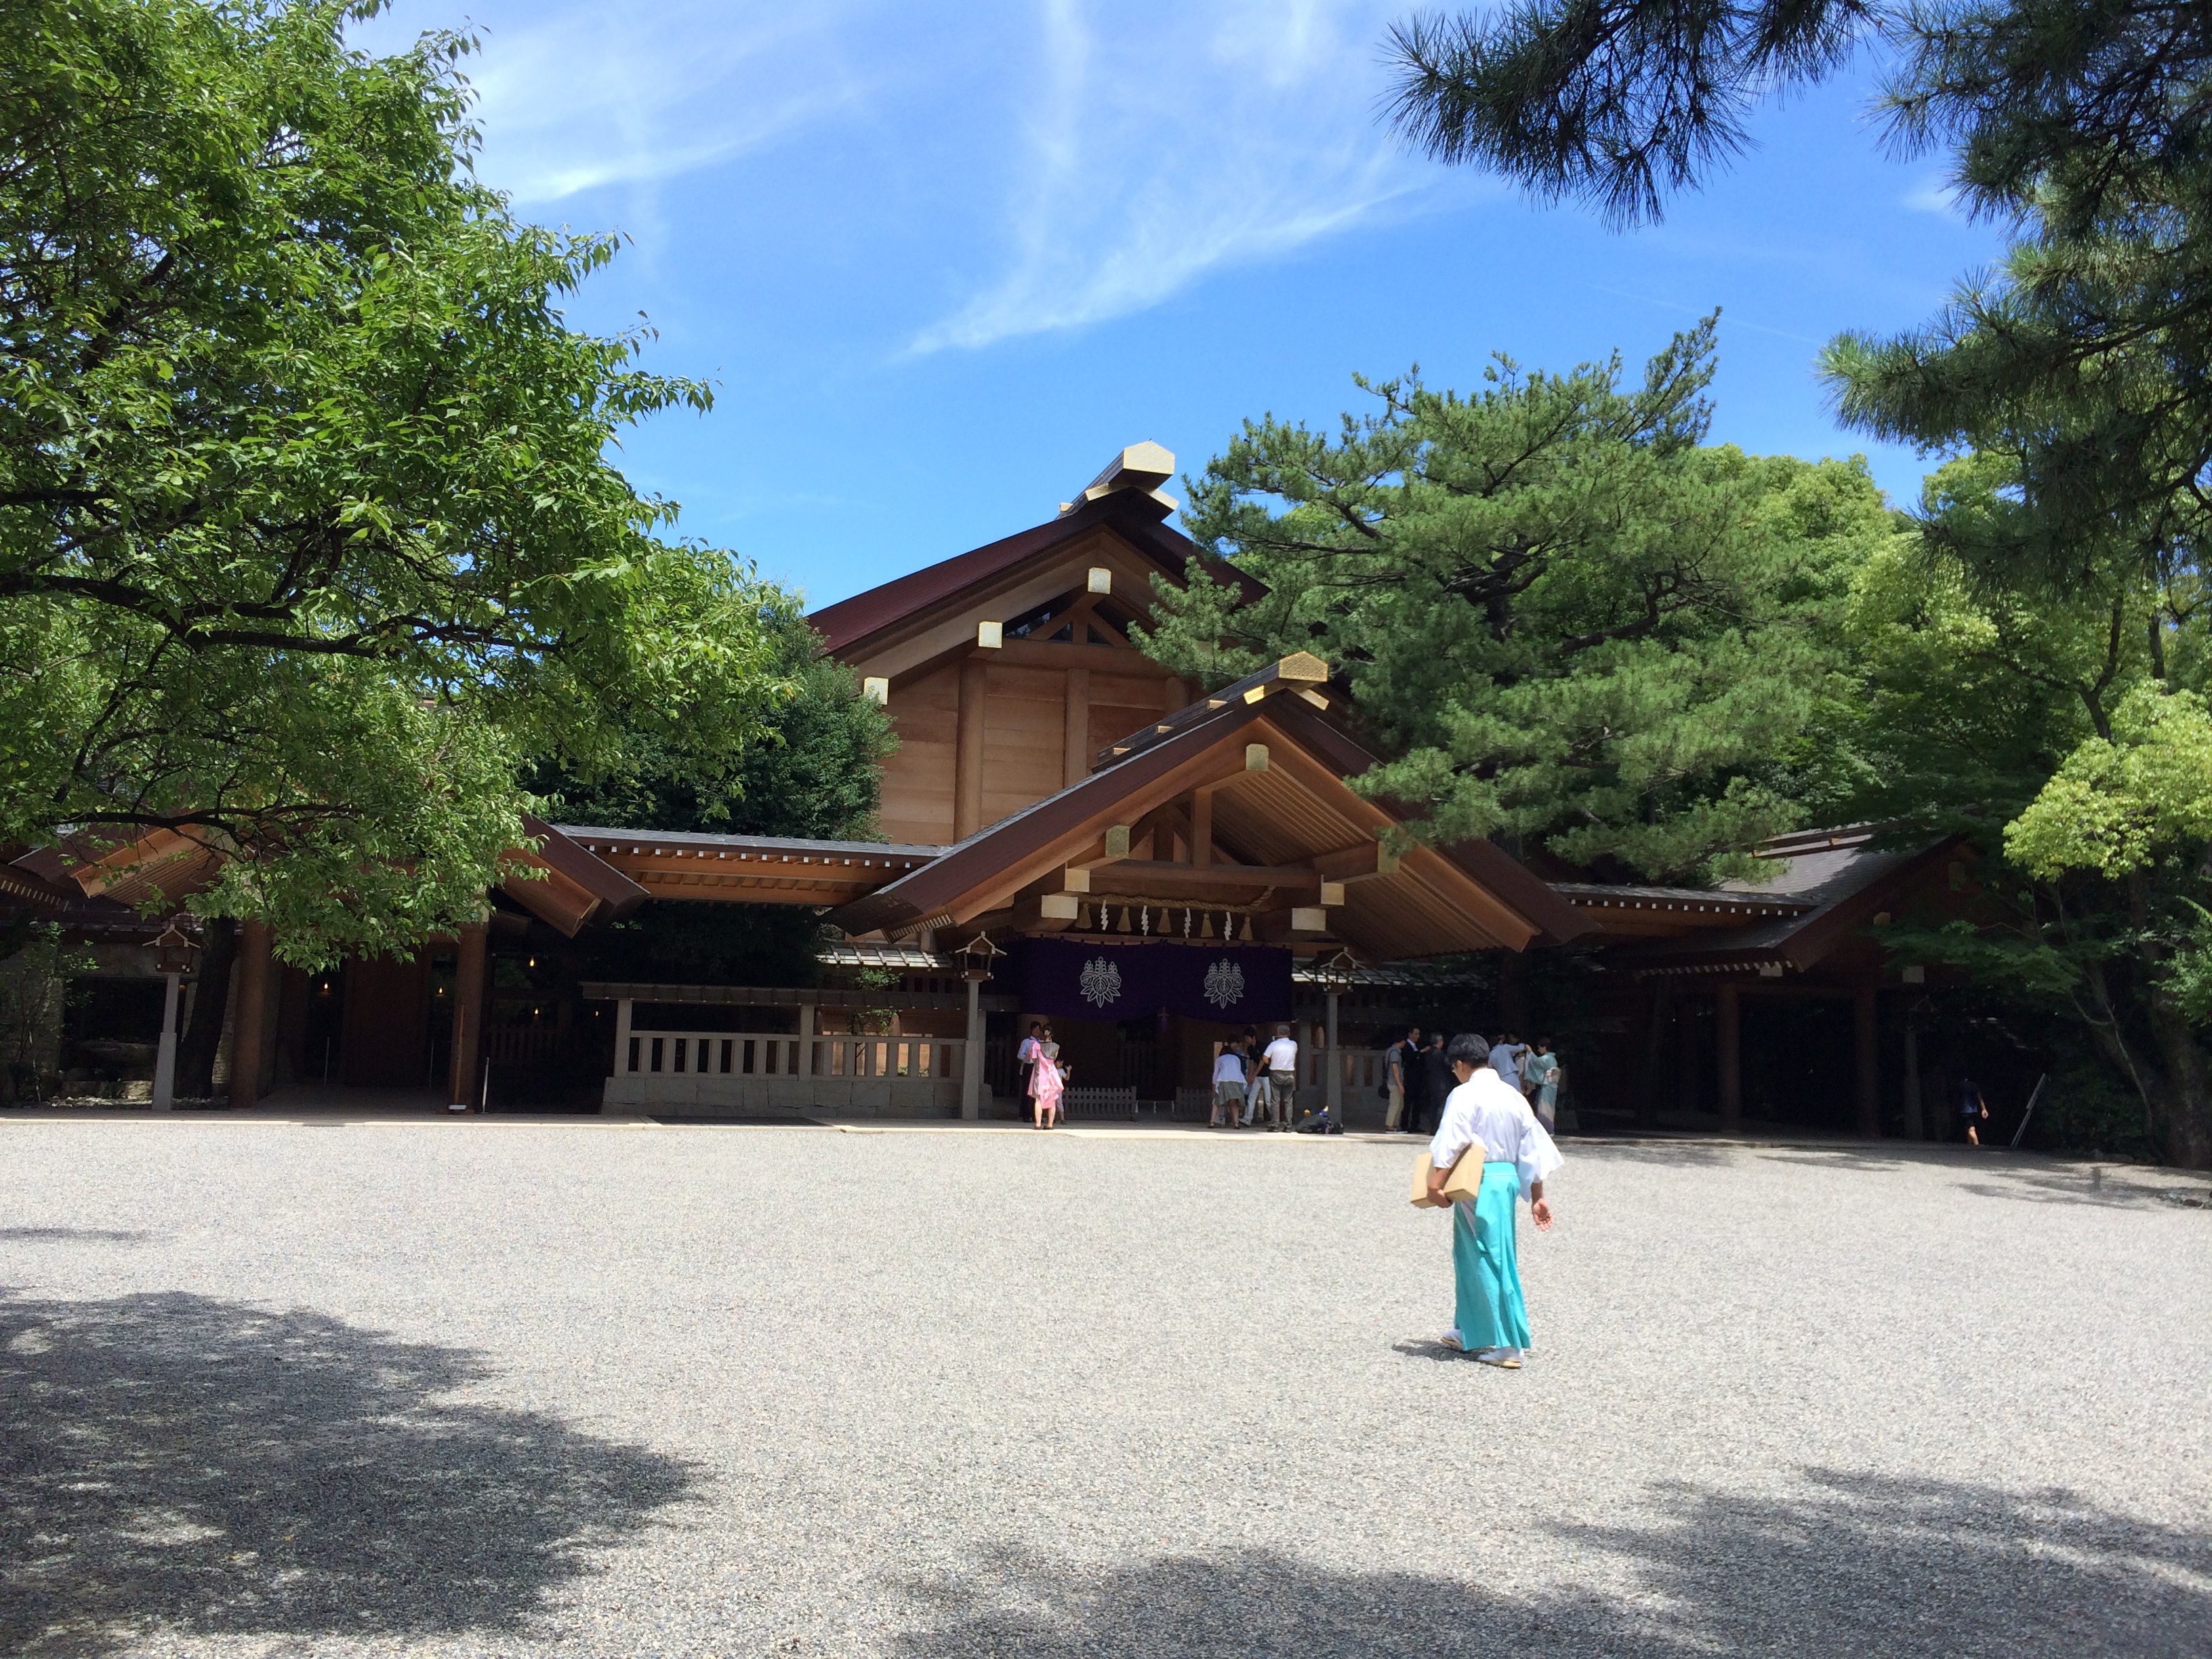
[(814, 774), (2060, 567), (308, 532), (1569, 622)]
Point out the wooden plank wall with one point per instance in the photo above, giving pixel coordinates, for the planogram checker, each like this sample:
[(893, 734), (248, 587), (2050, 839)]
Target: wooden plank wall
[(1027, 754), (918, 777)]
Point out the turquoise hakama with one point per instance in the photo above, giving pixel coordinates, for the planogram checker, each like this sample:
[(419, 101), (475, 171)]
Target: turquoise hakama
[(1486, 1267)]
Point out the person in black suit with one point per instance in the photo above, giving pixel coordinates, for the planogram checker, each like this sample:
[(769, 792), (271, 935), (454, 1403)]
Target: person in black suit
[(1437, 1081)]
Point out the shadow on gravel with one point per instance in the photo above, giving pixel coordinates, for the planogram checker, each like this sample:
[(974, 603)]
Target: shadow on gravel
[(2113, 1190), (174, 1460), (1849, 1566), (73, 1236), (1677, 1154)]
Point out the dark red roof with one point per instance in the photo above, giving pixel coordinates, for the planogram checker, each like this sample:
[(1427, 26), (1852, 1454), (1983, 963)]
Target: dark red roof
[(1135, 517)]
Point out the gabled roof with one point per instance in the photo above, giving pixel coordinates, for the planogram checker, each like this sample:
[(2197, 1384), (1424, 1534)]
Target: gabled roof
[(1830, 884), (1134, 516), (1469, 896)]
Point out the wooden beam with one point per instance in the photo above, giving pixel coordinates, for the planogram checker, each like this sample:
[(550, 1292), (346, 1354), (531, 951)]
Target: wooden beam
[(1202, 828), (1122, 660), (1137, 877), (1075, 730), (968, 761), (1361, 862)]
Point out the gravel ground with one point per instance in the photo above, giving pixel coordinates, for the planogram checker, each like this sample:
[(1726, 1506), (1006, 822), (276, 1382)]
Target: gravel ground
[(499, 1388)]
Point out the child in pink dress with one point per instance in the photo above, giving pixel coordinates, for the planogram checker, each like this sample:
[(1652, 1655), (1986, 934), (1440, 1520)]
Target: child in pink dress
[(1046, 1082)]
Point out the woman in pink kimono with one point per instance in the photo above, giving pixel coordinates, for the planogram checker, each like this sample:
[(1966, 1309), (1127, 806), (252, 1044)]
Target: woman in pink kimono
[(1046, 1081)]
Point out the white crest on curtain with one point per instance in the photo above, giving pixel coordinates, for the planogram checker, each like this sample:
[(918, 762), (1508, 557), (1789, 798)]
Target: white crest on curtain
[(1101, 982), (1225, 984)]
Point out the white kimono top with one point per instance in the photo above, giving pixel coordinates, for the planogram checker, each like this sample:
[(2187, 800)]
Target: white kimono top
[(1489, 1113)]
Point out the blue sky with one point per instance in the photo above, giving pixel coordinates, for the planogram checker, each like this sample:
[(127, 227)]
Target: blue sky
[(942, 261)]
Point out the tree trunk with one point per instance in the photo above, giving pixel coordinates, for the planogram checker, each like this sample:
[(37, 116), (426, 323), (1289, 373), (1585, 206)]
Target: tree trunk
[(2181, 1103), (203, 1035)]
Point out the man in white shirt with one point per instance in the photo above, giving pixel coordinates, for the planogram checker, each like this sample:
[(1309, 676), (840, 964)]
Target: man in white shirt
[(1485, 1118), (1281, 1061)]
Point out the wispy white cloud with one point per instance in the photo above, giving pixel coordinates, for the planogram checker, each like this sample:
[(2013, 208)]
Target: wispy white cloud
[(1162, 140), (1936, 196), (576, 95)]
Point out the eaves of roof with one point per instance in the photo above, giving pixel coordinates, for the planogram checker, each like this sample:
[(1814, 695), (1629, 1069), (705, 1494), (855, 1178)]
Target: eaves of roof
[(1133, 516), (1802, 941), (1013, 841)]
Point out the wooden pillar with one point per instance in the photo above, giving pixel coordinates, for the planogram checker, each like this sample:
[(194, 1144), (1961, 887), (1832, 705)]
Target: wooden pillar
[(249, 1019), (622, 1013), (1867, 1055), (971, 1056), (1727, 1034), (1333, 1087), (1658, 1009), (468, 1019), (1075, 729), (806, 1039), (968, 762), (165, 1055), (1915, 1120), (1689, 1086), (1201, 828)]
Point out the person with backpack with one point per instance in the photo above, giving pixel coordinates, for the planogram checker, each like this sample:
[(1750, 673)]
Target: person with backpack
[(1228, 1086)]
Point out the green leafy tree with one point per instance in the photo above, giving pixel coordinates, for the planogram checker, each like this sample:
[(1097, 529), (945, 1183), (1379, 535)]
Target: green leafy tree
[(308, 533), (1570, 624), (2080, 374), (814, 774), (2038, 726)]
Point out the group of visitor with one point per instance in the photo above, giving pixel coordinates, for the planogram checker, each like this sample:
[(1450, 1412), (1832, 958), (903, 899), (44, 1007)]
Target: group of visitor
[(1421, 1077), (1260, 1085)]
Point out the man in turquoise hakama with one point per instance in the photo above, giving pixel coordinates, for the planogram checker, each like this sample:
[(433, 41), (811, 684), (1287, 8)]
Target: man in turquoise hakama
[(1486, 1117)]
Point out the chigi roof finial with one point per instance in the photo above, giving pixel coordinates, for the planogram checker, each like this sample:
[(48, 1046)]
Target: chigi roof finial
[(1143, 467)]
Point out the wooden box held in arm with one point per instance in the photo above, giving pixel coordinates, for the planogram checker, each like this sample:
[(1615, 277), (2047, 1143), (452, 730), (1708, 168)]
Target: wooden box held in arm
[(1463, 1180)]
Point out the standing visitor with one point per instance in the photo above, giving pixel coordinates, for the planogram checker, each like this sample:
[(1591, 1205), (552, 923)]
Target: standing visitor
[(1540, 1074), (1486, 1119), (1228, 1087), (1505, 1059), (1437, 1082), (1282, 1062), (1973, 1110), (1025, 1056), (1046, 1082), (1400, 1065)]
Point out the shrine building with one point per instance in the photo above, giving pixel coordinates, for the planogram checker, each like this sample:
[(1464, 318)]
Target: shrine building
[(1073, 833)]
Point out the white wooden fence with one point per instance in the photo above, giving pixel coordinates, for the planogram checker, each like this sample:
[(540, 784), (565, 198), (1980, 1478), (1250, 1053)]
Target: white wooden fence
[(700, 1073)]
